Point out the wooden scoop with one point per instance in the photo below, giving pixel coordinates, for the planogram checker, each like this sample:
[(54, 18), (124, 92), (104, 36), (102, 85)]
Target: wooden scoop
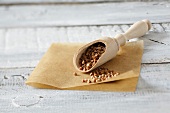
[(138, 29)]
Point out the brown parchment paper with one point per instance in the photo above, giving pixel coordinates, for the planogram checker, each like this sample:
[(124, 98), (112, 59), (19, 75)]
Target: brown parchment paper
[(55, 69)]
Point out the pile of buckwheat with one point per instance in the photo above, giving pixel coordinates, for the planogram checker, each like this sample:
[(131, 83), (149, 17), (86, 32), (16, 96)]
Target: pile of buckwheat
[(91, 56), (100, 74)]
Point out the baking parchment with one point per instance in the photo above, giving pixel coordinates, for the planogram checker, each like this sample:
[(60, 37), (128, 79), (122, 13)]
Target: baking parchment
[(55, 69)]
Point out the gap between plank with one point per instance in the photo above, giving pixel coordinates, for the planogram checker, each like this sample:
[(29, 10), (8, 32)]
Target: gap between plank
[(71, 2)]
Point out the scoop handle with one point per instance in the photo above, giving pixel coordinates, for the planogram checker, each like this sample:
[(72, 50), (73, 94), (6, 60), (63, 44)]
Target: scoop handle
[(138, 29)]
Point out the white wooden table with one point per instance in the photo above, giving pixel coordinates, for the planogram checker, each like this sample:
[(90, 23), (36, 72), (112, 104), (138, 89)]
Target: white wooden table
[(27, 28)]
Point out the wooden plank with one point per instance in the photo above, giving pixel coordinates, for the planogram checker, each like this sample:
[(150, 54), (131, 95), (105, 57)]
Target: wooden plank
[(153, 91), (10, 2), (57, 1), (23, 47), (83, 14)]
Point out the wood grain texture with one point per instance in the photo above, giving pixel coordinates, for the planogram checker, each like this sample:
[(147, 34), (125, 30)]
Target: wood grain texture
[(17, 2), (23, 47), (83, 14), (153, 91)]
